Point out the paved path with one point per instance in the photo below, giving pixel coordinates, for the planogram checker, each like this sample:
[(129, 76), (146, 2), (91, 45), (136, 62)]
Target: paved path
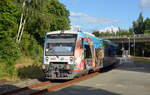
[(127, 79)]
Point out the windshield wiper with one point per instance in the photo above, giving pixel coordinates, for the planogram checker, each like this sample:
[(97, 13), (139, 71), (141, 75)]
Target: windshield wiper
[(52, 51)]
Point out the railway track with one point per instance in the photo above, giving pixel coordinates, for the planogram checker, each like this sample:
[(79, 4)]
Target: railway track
[(51, 86), (26, 88)]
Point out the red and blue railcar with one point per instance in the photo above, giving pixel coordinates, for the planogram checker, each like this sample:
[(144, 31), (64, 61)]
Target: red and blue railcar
[(69, 54)]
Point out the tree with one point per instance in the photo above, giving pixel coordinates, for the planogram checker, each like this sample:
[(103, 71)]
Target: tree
[(138, 25), (8, 19), (45, 16), (59, 16), (9, 51), (96, 33), (147, 26), (131, 31), (122, 32), (41, 16)]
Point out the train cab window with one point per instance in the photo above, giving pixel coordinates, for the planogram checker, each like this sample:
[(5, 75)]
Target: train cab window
[(88, 53), (79, 43)]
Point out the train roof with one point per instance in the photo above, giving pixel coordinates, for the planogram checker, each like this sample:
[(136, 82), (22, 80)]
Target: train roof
[(85, 34), (82, 34), (62, 31), (97, 42), (111, 43), (95, 39)]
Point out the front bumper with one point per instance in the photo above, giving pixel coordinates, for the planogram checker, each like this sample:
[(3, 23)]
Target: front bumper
[(58, 71)]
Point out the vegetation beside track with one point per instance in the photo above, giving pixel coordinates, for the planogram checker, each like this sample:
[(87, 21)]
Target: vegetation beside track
[(141, 60), (22, 59), (24, 68)]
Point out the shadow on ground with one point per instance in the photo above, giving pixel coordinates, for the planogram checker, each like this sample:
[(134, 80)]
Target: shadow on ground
[(82, 90), (107, 69), (30, 72), (135, 66), (8, 88), (72, 90)]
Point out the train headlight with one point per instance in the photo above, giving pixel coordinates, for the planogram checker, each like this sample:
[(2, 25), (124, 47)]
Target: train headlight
[(46, 59), (71, 59), (43, 67)]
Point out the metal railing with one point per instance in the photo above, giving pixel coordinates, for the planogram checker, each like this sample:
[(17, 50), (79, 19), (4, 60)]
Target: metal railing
[(126, 36)]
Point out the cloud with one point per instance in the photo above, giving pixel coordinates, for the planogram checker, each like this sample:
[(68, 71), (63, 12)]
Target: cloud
[(92, 20), (109, 29), (100, 20), (73, 14), (75, 27), (145, 4), (108, 21)]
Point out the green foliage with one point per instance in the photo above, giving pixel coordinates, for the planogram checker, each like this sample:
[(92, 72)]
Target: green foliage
[(41, 16), (147, 49), (147, 26), (142, 27), (31, 71), (59, 14), (10, 51), (138, 25), (141, 60), (7, 70), (109, 34), (96, 33), (123, 32), (45, 16), (30, 47), (8, 19)]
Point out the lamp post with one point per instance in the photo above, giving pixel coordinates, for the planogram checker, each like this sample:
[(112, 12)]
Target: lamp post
[(134, 44), (129, 45), (122, 44), (122, 49)]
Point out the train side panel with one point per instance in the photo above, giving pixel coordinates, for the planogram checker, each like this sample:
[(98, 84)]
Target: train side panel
[(88, 53), (109, 53)]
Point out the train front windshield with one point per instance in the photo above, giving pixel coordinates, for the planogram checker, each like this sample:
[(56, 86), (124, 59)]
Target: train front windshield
[(60, 44)]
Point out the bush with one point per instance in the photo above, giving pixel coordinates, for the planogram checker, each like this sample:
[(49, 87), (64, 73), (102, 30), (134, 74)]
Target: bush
[(7, 70), (30, 47), (9, 51)]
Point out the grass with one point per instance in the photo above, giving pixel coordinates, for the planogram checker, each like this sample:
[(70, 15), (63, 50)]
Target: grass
[(24, 68), (24, 61), (7, 72), (141, 60)]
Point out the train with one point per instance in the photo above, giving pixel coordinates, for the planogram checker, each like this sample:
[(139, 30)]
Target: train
[(69, 54)]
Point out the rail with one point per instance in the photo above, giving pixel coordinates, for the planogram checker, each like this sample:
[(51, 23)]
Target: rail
[(50, 88)]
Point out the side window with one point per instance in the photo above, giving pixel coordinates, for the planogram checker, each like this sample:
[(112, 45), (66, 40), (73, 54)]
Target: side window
[(111, 53), (88, 53), (79, 43), (106, 52)]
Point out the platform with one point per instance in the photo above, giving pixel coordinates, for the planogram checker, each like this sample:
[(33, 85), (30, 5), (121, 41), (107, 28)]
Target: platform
[(125, 79)]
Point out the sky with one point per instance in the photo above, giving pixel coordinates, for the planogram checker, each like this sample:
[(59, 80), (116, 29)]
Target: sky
[(92, 15)]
